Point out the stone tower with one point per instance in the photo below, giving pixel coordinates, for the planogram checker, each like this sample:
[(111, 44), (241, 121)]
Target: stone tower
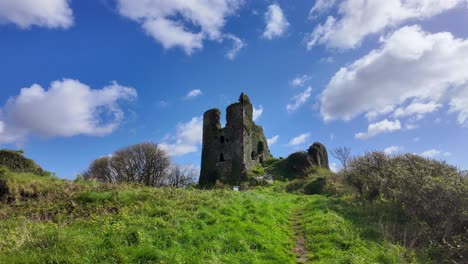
[(229, 152)]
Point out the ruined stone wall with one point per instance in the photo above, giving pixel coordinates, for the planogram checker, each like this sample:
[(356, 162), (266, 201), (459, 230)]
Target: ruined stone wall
[(211, 130), (228, 153)]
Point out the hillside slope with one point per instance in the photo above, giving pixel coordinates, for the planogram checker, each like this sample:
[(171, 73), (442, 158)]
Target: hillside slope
[(48, 220)]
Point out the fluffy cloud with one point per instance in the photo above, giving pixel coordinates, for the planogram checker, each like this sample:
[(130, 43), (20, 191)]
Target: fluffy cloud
[(299, 100), (67, 108), (299, 140), (414, 72), (374, 129), (237, 45), (193, 93), (431, 153), (171, 22), (42, 13), (257, 112), (187, 139), (321, 6), (273, 140), (334, 167), (459, 104), (357, 19), (417, 109), (300, 80), (276, 22), (392, 150)]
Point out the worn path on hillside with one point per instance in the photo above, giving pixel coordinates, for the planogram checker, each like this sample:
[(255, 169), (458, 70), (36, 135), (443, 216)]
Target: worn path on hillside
[(299, 248)]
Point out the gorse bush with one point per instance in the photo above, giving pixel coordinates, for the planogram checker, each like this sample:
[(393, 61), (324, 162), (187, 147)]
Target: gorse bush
[(16, 162), (428, 199)]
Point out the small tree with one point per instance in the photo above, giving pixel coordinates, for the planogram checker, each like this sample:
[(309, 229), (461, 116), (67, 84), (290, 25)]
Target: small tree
[(181, 176), (343, 154), (100, 170), (144, 163)]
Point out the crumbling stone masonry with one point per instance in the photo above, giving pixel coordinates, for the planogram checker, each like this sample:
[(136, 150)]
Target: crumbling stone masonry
[(229, 152)]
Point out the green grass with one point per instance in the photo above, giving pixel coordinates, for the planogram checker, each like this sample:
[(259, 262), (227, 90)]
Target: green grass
[(48, 220), (78, 222), (337, 231)]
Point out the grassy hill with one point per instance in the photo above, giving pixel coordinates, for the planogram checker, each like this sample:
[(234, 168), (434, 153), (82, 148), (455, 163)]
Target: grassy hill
[(49, 220)]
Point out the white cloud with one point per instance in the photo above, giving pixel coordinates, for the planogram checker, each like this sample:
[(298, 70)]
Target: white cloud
[(277, 24), (180, 23), (411, 126), (67, 108), (327, 60), (193, 93), (300, 80), (273, 140), (163, 104), (237, 45), (392, 150), (357, 19), (417, 109), (301, 139), (459, 104), (321, 6), (383, 126), (299, 100), (42, 13), (257, 113), (372, 115), (431, 153), (187, 139), (414, 72), (334, 167)]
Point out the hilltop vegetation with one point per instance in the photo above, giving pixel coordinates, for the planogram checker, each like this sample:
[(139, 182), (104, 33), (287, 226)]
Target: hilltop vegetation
[(49, 220), (14, 160), (381, 209)]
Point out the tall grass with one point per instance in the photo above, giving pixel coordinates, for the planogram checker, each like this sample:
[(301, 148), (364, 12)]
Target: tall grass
[(79, 222), (48, 220)]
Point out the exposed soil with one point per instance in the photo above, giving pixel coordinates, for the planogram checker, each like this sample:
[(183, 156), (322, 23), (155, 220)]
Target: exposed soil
[(299, 249)]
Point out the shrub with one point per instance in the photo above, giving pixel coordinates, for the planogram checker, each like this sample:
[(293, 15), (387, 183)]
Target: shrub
[(314, 185), (315, 181), (294, 185), (428, 195), (16, 162), (256, 171)]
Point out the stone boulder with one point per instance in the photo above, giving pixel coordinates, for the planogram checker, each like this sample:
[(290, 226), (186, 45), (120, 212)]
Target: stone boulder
[(319, 155)]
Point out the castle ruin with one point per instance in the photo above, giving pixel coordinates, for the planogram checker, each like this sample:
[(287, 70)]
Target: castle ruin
[(229, 152)]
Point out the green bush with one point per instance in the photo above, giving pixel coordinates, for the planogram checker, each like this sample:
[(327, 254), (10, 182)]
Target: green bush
[(295, 185), (315, 181), (315, 185), (16, 162), (428, 198), (256, 171)]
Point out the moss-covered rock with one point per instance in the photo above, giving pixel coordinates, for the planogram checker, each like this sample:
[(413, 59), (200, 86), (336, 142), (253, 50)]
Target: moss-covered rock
[(319, 155), (299, 162)]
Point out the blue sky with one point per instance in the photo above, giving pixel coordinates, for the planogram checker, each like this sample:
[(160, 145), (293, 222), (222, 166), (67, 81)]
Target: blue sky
[(81, 79)]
